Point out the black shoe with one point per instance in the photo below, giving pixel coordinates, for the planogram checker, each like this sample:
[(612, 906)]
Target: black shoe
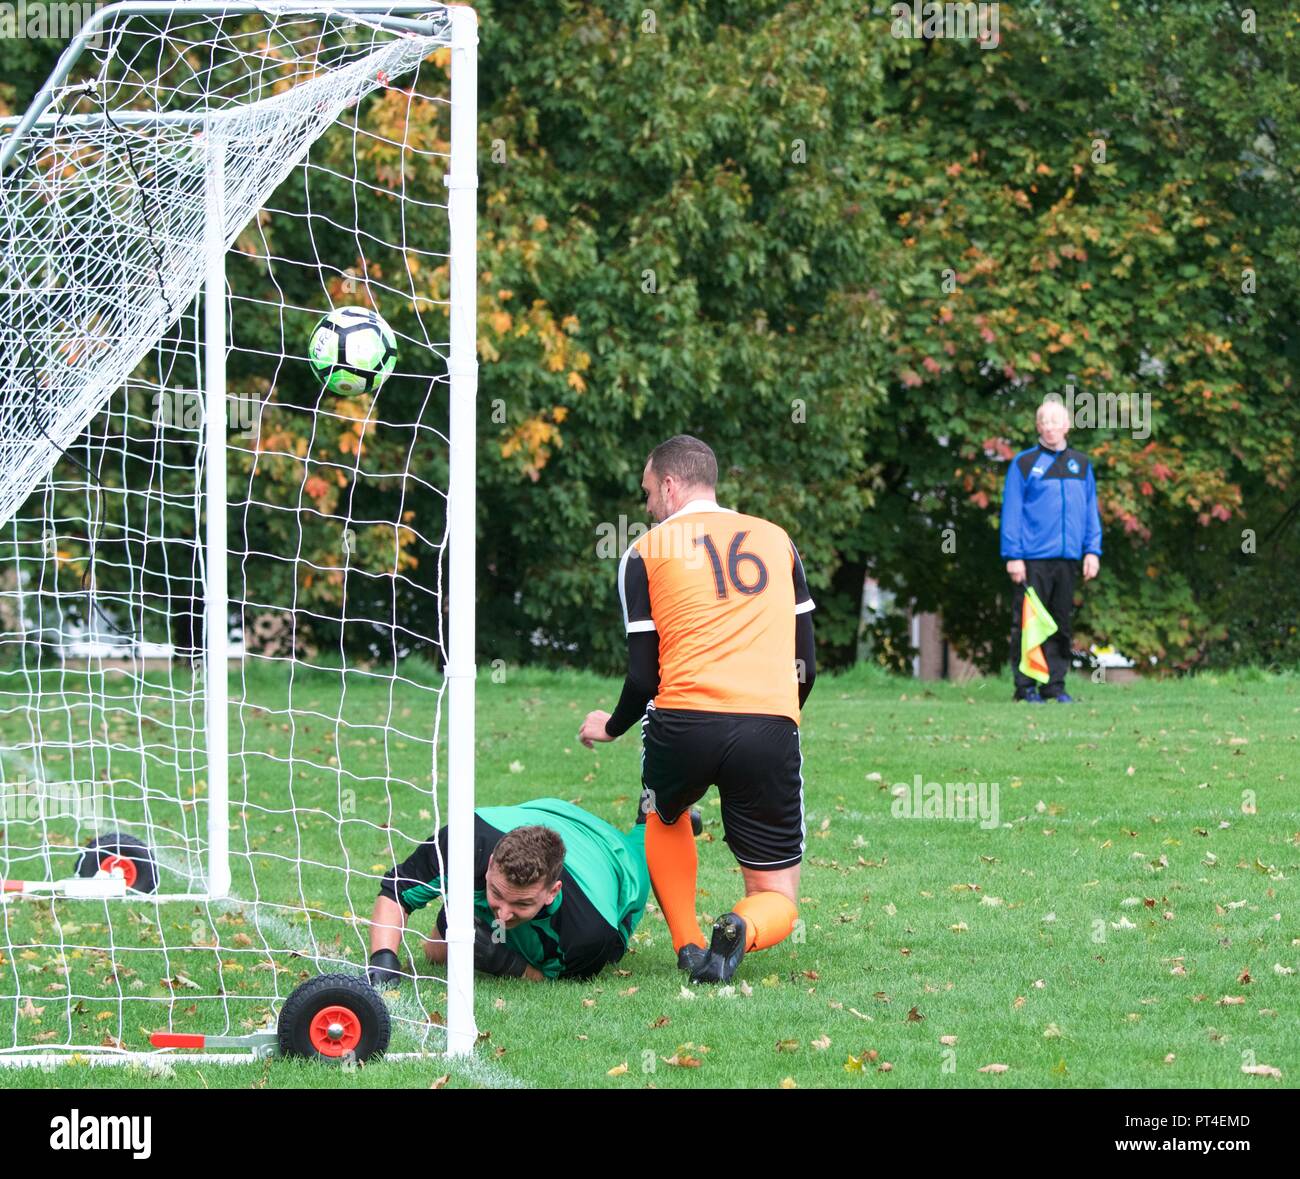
[(726, 949), (691, 957)]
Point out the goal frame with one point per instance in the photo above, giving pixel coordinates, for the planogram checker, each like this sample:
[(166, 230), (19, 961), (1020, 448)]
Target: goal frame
[(461, 181)]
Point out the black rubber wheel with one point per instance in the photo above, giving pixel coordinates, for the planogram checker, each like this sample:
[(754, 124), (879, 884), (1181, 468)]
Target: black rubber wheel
[(139, 867), (334, 1017)]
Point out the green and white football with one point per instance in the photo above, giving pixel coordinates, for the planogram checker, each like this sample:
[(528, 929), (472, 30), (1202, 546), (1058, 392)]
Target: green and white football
[(352, 350)]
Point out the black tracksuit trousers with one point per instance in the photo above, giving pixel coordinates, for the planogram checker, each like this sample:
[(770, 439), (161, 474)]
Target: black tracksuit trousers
[(1053, 582)]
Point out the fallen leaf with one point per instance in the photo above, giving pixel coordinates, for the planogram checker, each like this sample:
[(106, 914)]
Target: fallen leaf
[(1261, 1070), (1170, 1058), (949, 1040), (787, 1045), (1051, 1032), (822, 1043), (788, 1083), (441, 1082), (681, 1059), (994, 1068), (1231, 1000), (662, 1022), (628, 992), (886, 1067), (686, 993), (914, 1015), (618, 1070)]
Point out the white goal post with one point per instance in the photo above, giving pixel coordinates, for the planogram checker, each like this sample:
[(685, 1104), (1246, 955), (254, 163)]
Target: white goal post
[(232, 598)]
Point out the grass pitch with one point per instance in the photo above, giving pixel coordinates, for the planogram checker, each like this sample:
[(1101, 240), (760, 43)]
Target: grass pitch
[(1127, 917)]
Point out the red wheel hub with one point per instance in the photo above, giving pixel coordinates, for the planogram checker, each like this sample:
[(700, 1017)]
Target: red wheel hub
[(335, 1030), (129, 870)]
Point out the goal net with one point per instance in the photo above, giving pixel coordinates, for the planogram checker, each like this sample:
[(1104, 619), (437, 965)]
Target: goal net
[(236, 548)]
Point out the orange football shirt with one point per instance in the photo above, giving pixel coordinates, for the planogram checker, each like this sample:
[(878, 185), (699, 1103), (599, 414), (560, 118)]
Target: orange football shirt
[(722, 589)]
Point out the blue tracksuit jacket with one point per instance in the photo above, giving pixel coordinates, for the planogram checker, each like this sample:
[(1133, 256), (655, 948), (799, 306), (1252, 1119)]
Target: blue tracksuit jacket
[(1049, 506)]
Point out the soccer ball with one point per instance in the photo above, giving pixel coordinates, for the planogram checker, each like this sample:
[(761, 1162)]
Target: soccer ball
[(352, 350)]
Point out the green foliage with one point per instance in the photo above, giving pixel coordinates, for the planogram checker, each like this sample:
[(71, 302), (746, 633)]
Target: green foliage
[(855, 263)]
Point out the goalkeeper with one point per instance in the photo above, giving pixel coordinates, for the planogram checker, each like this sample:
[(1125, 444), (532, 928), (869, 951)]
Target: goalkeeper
[(557, 894)]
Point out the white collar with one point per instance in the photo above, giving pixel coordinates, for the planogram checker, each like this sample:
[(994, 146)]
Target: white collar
[(696, 505)]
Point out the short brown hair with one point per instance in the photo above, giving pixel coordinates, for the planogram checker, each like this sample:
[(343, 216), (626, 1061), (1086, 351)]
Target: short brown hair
[(529, 855), (686, 459)]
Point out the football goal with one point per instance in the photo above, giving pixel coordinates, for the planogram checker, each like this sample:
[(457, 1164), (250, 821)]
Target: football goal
[(237, 454)]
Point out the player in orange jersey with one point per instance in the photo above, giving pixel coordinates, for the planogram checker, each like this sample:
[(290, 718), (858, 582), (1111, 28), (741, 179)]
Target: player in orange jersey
[(720, 661)]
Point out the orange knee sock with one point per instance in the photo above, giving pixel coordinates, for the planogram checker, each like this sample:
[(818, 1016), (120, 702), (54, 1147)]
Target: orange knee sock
[(673, 862), (769, 918)]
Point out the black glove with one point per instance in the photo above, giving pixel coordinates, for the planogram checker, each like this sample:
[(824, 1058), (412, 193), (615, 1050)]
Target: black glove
[(495, 957), (385, 970)]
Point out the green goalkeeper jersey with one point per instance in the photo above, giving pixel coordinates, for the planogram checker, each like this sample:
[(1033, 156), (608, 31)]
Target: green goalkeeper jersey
[(603, 886)]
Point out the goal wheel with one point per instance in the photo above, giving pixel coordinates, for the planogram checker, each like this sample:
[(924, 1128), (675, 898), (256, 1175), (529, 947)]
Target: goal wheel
[(105, 853), (332, 1015)]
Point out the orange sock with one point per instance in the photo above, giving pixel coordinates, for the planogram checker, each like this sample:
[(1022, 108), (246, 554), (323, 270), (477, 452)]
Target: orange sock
[(673, 862), (769, 918)]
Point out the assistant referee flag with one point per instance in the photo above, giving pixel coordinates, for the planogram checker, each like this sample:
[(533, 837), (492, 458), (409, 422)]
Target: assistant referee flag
[(1036, 624)]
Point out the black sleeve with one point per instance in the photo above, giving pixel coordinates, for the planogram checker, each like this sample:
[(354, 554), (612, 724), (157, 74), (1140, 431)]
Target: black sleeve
[(589, 959), (641, 684), (805, 650), (805, 654), (634, 593), (802, 598), (418, 879)]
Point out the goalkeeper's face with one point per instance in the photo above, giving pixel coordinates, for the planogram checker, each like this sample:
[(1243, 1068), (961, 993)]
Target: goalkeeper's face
[(513, 905)]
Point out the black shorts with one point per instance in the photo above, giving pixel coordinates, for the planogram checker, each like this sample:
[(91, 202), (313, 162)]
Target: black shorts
[(756, 765)]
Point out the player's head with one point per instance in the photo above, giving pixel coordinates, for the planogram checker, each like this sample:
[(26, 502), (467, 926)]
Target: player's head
[(523, 874), (1053, 421), (678, 471)]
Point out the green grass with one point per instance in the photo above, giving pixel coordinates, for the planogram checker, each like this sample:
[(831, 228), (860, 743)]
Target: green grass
[(1143, 868)]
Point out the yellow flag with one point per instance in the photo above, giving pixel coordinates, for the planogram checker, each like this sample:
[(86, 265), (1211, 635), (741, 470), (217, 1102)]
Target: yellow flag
[(1036, 624)]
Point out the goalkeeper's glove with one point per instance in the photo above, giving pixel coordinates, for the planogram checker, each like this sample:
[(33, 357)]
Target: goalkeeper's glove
[(385, 970), (495, 957)]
